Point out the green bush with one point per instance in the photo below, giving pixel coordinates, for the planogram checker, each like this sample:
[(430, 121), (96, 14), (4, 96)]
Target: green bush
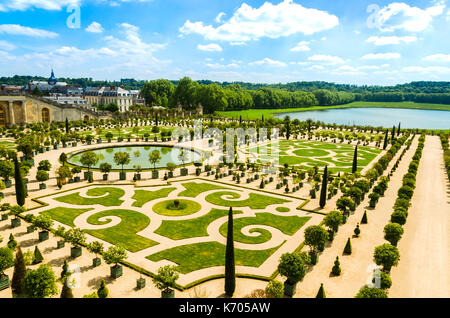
[(275, 289), (103, 291), (368, 292)]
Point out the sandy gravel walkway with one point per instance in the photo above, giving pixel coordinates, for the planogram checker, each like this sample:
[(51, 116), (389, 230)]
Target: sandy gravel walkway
[(357, 267), (424, 268)]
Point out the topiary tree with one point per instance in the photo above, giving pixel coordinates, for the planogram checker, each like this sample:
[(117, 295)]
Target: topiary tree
[(95, 247), (275, 289), (165, 280), (20, 270), (154, 157), (12, 243), (369, 292), (344, 203), (122, 158), (321, 292), (393, 233), (384, 279), (357, 231), (41, 282), (323, 190), (364, 218), (103, 291), (63, 158), (19, 184), (37, 256), (230, 271), (42, 176), (336, 270), (386, 255), (44, 165), (348, 247), (66, 291), (65, 270)]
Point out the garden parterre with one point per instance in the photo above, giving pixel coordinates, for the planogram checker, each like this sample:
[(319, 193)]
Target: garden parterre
[(146, 223)]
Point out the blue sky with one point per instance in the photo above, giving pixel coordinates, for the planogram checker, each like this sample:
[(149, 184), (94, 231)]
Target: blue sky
[(342, 41)]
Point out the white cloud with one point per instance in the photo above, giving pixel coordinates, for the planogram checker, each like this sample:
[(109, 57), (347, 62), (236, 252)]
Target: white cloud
[(237, 43), (22, 5), (218, 19), (52, 5), (347, 70), (301, 47), (17, 29), (210, 47), (438, 58), (328, 59), (427, 69), (268, 61), (356, 32), (222, 66), (269, 20), (381, 56), (7, 46), (387, 40), (95, 27), (399, 15)]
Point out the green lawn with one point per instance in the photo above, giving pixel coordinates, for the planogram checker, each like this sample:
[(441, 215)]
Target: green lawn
[(287, 224), (65, 215), (197, 256), (144, 196), (167, 208), (254, 201), (180, 230), (112, 199), (253, 114), (193, 189), (124, 233)]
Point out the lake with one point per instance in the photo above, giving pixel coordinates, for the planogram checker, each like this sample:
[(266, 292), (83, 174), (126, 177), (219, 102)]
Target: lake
[(372, 116)]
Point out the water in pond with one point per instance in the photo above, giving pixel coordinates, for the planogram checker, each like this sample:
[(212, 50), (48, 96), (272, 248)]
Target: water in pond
[(139, 156), (371, 116)]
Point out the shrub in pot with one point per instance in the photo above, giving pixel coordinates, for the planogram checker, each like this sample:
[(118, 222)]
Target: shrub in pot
[(42, 176), (114, 255), (6, 261), (105, 168), (43, 222), (165, 280), (76, 237), (95, 247), (16, 210), (292, 267), (60, 232)]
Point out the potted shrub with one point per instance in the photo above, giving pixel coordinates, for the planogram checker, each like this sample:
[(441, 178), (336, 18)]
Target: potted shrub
[(121, 159), (75, 171), (76, 237), (105, 168), (183, 156), (42, 176), (109, 136), (154, 157), (88, 159), (43, 222), (171, 167), (16, 210), (6, 261), (292, 267), (61, 232), (137, 175), (30, 219), (6, 171), (114, 255), (165, 280), (95, 247)]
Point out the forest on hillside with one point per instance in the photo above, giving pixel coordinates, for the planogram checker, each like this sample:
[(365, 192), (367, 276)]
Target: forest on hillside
[(222, 96)]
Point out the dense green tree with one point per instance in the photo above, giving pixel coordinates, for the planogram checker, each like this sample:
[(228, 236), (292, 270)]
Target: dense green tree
[(332, 220), (355, 160), (89, 158), (41, 282), (386, 255), (369, 292), (393, 233), (158, 92)]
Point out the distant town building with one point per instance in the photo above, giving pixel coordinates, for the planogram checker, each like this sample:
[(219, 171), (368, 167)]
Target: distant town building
[(105, 95)]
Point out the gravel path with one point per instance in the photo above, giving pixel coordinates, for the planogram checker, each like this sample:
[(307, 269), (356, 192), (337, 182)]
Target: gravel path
[(424, 268)]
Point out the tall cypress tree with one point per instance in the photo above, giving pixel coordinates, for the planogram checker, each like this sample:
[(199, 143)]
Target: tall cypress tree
[(287, 126), (240, 120), (385, 140), (20, 186), (393, 132), (230, 271), (67, 126), (355, 160), (323, 190), (18, 280), (398, 130)]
